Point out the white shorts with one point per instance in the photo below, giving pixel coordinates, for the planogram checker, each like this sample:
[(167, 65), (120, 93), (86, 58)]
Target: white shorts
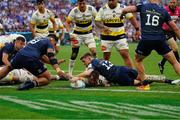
[(37, 35), (87, 39), (106, 45), (22, 74)]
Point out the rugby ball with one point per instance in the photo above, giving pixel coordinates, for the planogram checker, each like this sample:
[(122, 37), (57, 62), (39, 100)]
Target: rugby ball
[(78, 84)]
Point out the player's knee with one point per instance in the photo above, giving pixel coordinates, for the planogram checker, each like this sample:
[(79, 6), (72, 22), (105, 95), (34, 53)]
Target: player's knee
[(93, 52), (74, 53)]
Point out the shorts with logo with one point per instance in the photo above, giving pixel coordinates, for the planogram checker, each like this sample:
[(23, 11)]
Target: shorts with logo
[(106, 45), (87, 39), (146, 46)]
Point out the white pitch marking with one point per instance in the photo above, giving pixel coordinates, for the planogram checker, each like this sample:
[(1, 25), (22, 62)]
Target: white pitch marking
[(22, 102), (106, 90), (175, 109), (113, 112), (159, 111), (82, 106)]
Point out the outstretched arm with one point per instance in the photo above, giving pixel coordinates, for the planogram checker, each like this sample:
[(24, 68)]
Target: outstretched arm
[(129, 9)]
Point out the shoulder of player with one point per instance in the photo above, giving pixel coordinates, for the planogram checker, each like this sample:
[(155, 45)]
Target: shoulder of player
[(90, 7), (75, 10), (48, 11)]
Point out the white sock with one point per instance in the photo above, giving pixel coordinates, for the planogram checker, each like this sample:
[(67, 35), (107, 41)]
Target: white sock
[(71, 66)]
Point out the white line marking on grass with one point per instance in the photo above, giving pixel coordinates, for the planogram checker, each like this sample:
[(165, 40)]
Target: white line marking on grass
[(83, 105), (148, 109), (29, 104), (106, 90)]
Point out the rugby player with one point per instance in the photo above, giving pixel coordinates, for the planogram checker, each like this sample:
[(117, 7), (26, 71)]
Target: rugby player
[(113, 75), (174, 12), (152, 18), (60, 30), (9, 50), (82, 16), (113, 31), (31, 57), (40, 20)]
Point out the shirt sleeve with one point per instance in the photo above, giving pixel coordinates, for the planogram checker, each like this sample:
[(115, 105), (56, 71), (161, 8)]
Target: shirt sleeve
[(71, 15), (33, 19), (139, 8), (94, 12), (7, 49)]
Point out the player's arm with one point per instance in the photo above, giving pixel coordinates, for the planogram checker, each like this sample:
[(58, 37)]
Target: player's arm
[(32, 25), (129, 9), (61, 26), (99, 23), (68, 23), (32, 29), (175, 28), (134, 22), (52, 19), (46, 60), (5, 60), (85, 73), (54, 62)]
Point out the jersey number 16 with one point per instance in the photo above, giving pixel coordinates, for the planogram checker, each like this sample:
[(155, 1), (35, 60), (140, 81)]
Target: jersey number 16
[(152, 20)]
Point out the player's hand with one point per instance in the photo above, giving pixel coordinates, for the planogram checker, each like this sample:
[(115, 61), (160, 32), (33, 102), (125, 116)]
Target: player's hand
[(137, 35), (106, 30), (73, 36), (63, 75)]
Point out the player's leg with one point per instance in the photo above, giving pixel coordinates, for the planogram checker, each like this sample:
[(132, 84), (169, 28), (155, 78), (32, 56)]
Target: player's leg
[(41, 75), (173, 45), (143, 49), (122, 46), (4, 71), (126, 57), (106, 47), (75, 50), (90, 43), (172, 60)]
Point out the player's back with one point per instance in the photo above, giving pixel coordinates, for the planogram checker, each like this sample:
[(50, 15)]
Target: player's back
[(152, 19), (36, 48)]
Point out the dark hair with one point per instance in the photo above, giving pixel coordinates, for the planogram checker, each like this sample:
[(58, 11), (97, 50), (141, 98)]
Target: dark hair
[(20, 38), (39, 1), (85, 55), (81, 0), (53, 36)]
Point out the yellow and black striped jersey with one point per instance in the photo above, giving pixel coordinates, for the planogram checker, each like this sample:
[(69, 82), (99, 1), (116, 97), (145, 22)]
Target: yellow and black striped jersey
[(111, 18), (41, 20), (83, 20)]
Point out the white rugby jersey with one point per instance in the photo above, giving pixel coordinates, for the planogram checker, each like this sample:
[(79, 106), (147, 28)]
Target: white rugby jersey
[(111, 18), (58, 23), (83, 20), (41, 20)]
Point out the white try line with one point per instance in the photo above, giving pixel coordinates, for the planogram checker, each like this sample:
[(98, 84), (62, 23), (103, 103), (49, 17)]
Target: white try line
[(103, 90)]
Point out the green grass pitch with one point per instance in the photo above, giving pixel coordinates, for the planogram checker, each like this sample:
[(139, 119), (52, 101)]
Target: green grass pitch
[(59, 101)]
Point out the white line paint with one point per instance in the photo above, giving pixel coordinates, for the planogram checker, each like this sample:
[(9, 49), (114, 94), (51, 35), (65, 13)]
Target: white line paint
[(105, 90), (81, 106), (29, 104), (149, 109)]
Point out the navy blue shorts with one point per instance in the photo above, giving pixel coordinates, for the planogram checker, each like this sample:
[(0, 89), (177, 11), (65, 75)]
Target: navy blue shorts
[(34, 66), (125, 76), (146, 46), (170, 34)]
